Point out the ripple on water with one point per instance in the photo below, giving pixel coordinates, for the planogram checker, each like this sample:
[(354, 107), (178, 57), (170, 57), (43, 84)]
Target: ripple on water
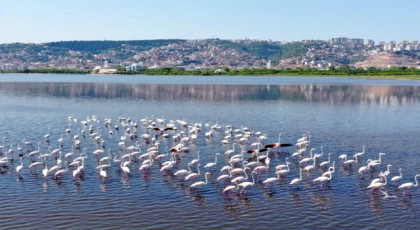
[(156, 201)]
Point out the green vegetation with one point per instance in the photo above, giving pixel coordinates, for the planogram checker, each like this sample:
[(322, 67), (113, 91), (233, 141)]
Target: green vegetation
[(49, 71), (342, 71), (269, 51), (100, 46), (392, 73)]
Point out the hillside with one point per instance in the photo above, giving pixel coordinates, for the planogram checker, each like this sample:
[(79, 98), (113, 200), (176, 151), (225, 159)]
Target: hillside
[(196, 54), (385, 60)]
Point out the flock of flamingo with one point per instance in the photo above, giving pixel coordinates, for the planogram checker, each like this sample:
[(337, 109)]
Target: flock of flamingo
[(169, 146)]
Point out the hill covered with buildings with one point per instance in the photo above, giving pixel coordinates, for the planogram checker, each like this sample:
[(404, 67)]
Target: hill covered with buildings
[(209, 54)]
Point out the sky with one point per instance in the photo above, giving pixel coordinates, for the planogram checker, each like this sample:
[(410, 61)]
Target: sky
[(36, 21)]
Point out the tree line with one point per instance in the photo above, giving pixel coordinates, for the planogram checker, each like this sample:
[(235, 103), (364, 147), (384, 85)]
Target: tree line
[(48, 71), (332, 71)]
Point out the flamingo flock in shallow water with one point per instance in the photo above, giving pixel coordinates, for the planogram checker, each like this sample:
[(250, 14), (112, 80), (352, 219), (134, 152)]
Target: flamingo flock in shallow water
[(247, 161)]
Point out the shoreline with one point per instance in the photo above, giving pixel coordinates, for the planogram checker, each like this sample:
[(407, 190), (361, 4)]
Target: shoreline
[(367, 77), (389, 74)]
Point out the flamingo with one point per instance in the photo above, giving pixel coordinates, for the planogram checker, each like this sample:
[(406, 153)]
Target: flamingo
[(381, 175), (198, 184), (99, 151), (27, 143), (363, 169), (167, 167), (357, 155), (246, 184), (32, 154), (237, 157), (209, 165), (280, 167), (305, 160), (61, 172), (60, 140), (298, 153), (52, 169), (316, 156), (224, 177), (309, 168), (377, 185), (395, 179), (240, 178), (297, 180), (271, 180), (161, 156), (145, 166), (242, 170), (409, 185), (329, 170), (231, 188), (278, 144), (374, 163), (70, 154), (77, 172), (323, 179), (35, 165), (196, 160), (284, 171), (182, 172), (124, 168), (20, 167), (192, 176), (387, 172), (103, 173), (325, 163), (342, 157), (45, 170), (230, 151), (348, 162)]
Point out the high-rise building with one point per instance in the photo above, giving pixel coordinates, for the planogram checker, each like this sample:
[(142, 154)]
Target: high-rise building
[(370, 43), (341, 40), (355, 41)]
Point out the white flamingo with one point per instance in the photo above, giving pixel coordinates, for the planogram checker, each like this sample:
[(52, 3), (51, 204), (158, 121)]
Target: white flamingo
[(297, 180), (395, 179), (409, 185), (198, 184), (305, 160), (357, 155), (20, 167), (323, 179), (325, 163), (246, 184), (209, 165)]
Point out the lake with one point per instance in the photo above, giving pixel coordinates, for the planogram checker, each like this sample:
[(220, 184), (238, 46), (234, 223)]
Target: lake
[(340, 114)]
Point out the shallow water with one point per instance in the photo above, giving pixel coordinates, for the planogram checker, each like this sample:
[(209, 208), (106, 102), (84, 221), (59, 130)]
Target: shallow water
[(341, 114)]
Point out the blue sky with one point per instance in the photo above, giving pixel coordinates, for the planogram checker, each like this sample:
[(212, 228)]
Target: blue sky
[(280, 20)]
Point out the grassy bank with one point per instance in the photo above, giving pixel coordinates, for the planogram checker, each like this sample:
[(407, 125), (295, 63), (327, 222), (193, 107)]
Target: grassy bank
[(370, 73), (392, 73)]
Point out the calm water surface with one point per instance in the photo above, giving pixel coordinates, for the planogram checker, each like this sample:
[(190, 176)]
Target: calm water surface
[(341, 114)]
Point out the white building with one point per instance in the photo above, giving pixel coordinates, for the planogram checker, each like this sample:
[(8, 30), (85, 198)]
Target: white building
[(370, 43), (389, 46), (355, 41), (133, 67)]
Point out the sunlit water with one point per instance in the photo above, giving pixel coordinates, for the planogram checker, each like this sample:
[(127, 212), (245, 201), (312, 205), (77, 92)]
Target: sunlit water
[(341, 115)]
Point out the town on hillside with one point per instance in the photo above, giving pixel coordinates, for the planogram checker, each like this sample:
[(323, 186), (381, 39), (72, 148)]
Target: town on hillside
[(108, 56)]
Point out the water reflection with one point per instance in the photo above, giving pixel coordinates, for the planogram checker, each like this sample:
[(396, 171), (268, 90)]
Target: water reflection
[(333, 94)]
